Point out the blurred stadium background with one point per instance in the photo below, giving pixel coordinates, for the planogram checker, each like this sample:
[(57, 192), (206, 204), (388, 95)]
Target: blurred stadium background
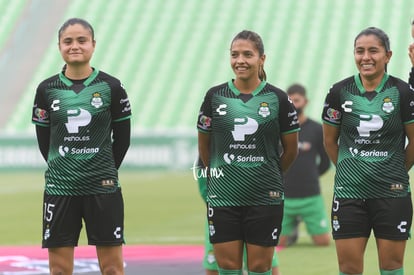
[(169, 52)]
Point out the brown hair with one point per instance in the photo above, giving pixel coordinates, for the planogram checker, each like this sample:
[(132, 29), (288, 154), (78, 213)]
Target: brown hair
[(380, 34), (73, 21)]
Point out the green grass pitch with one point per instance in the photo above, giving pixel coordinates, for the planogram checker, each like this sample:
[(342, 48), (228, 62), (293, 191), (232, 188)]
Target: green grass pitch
[(163, 208)]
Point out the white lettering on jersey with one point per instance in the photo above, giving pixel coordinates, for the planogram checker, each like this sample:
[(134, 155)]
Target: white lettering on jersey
[(244, 126), (369, 123), (76, 119)]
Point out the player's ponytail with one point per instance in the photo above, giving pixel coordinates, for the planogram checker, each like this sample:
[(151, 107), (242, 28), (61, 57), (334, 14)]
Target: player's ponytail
[(262, 73)]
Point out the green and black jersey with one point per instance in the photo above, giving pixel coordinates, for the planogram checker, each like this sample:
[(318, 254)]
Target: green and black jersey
[(245, 132), (80, 116), (371, 157)]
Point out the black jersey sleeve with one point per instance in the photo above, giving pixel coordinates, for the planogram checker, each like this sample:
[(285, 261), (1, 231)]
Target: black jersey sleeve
[(205, 115), (324, 161), (121, 123), (121, 136), (120, 106), (40, 111), (40, 117), (288, 118), (43, 140), (407, 101), (331, 113)]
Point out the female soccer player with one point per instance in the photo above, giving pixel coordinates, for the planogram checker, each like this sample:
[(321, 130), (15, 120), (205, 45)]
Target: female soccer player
[(240, 124), (82, 118), (367, 118)]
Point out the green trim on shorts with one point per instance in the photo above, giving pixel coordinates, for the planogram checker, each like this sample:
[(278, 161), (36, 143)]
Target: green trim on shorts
[(311, 210)]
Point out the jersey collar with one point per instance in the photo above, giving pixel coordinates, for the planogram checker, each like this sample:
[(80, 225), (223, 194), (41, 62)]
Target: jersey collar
[(361, 87), (87, 81), (255, 92)]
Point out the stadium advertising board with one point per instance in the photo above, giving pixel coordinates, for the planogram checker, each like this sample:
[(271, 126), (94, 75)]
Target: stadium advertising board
[(146, 152)]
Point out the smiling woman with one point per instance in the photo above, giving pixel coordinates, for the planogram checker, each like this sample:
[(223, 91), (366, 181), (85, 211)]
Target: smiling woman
[(76, 45), (82, 118), (247, 61), (240, 123), (365, 139), (372, 54)]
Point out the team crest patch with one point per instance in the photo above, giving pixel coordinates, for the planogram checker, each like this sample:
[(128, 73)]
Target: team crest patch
[(387, 106), (264, 109), (96, 100)]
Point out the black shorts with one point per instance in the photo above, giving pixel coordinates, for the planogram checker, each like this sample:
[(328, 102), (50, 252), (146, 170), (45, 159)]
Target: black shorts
[(103, 215), (388, 218), (260, 225)]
